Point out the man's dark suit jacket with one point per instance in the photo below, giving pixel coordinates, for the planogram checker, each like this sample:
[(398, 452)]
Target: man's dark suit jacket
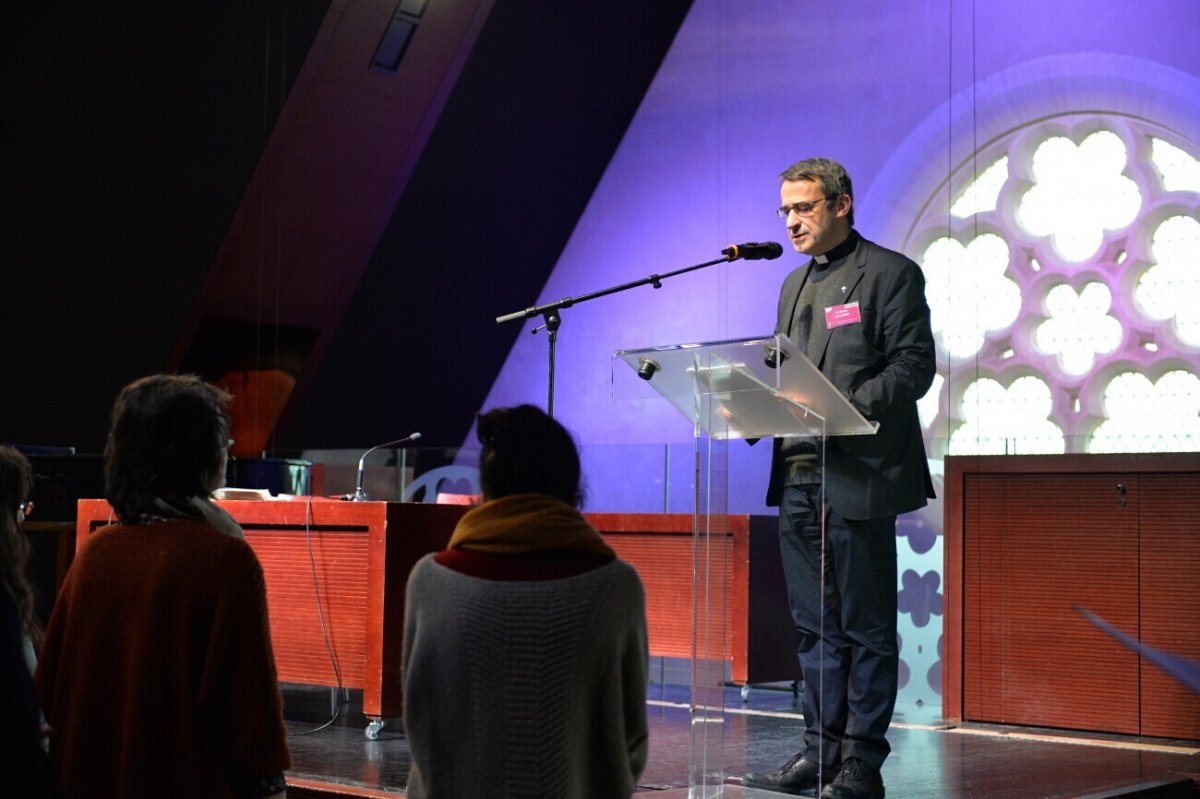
[(884, 364)]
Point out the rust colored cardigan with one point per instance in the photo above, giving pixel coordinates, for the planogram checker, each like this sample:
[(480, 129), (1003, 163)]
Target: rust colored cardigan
[(156, 674)]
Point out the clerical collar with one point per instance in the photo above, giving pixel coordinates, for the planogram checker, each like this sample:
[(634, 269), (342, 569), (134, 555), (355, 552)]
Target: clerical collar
[(841, 251)]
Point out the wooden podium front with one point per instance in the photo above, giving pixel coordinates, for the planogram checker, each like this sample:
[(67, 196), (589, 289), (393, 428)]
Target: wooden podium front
[(356, 557), (760, 638)]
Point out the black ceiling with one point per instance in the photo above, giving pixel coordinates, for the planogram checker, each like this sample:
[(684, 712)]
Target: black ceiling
[(132, 130)]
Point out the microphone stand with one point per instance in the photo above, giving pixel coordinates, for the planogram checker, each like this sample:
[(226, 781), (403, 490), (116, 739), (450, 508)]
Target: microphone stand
[(550, 311), (359, 494)]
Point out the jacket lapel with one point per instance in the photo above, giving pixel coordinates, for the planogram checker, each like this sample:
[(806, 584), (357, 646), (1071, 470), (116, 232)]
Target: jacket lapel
[(852, 279), (786, 318)]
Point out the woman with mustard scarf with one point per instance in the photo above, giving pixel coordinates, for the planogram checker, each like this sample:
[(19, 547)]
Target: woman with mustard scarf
[(525, 656)]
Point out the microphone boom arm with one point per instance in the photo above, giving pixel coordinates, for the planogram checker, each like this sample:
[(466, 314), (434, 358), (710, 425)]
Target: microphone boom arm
[(550, 311), (653, 280)]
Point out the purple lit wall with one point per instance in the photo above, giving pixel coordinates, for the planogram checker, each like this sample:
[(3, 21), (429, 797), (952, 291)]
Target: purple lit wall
[(749, 88), (905, 96)]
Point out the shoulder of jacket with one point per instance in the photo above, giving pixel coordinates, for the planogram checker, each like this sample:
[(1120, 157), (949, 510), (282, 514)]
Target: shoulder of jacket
[(872, 256), (870, 249)]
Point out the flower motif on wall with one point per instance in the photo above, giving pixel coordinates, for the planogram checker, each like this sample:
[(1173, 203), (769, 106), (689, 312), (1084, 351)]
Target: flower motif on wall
[(929, 405), (1078, 193), (968, 291), (919, 596), (993, 416), (1079, 327), (1173, 424), (1069, 244), (1170, 289), (1179, 170), (934, 675), (920, 534), (984, 192)]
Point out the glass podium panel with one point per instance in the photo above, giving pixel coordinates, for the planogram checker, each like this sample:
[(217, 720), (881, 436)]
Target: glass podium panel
[(711, 563), (746, 388)]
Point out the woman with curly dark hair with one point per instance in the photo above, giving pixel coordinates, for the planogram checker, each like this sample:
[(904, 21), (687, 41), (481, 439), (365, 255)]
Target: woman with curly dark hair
[(162, 620)]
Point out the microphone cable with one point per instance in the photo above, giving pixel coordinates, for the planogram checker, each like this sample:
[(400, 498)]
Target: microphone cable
[(337, 672)]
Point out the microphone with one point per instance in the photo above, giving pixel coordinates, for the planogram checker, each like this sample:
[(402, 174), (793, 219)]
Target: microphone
[(754, 251), (359, 496)]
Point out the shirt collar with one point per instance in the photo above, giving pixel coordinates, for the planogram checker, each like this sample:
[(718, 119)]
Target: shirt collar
[(839, 252)]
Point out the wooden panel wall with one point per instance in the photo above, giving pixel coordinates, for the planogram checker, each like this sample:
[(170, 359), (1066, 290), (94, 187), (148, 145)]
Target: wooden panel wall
[(1031, 542), (1047, 553), (1170, 599)]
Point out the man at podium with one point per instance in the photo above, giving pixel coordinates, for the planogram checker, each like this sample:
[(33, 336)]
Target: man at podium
[(858, 311)]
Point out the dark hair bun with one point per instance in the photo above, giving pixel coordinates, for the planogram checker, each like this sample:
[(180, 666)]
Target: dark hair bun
[(527, 452)]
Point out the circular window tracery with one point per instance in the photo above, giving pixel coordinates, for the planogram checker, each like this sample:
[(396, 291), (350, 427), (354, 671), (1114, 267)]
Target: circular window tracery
[(1059, 276)]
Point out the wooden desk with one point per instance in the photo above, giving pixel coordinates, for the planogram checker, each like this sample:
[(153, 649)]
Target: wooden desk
[(364, 551), (760, 639), (361, 553), (1028, 540)]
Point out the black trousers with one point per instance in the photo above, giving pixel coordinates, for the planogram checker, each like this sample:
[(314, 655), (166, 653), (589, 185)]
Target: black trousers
[(848, 649)]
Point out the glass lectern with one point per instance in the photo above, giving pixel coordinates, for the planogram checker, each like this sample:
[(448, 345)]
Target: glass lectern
[(741, 389)]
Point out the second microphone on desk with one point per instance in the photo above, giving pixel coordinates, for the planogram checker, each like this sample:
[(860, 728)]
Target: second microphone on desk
[(359, 495)]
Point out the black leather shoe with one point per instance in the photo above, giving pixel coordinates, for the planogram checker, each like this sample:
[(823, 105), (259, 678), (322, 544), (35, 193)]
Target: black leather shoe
[(855, 780), (795, 777)]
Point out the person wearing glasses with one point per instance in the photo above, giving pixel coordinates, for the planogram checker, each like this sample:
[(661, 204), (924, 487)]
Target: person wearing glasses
[(156, 673), (25, 767), (858, 311)]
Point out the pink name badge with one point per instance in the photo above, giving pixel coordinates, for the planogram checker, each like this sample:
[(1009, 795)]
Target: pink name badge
[(842, 315)]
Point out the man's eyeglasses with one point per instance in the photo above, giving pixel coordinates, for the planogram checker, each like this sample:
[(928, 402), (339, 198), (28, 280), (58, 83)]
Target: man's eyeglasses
[(801, 209)]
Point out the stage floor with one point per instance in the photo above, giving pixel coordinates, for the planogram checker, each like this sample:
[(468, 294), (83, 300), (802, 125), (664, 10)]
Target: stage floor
[(928, 760)]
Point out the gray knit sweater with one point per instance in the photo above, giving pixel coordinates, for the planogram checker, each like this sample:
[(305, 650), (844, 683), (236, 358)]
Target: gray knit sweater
[(525, 689)]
